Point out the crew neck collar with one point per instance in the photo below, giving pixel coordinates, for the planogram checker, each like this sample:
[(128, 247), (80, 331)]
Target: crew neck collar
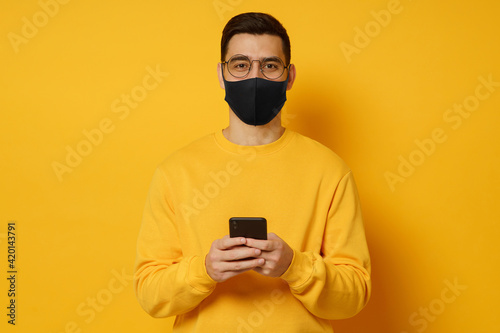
[(269, 148)]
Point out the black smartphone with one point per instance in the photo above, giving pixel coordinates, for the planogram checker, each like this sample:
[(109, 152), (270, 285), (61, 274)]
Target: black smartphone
[(248, 227)]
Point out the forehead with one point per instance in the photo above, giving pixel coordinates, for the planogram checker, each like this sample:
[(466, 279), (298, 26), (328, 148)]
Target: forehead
[(255, 46)]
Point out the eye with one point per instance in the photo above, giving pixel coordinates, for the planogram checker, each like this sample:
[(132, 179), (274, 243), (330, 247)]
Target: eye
[(270, 66), (239, 65)]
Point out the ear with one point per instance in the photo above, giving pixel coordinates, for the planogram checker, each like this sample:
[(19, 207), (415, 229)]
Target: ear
[(292, 74), (219, 73)]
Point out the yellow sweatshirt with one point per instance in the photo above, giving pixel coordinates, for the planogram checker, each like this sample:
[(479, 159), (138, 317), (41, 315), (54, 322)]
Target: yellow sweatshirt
[(309, 198)]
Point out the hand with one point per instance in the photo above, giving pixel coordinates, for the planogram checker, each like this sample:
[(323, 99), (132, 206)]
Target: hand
[(229, 257), (276, 253)]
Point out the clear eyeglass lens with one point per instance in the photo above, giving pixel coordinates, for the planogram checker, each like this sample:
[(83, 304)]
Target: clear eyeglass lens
[(239, 67), (271, 68)]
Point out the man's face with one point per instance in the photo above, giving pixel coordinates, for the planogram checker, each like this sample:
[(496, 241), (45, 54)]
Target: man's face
[(256, 47)]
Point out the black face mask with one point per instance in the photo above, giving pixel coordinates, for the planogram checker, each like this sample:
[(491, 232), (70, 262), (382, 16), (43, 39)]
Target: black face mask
[(255, 101)]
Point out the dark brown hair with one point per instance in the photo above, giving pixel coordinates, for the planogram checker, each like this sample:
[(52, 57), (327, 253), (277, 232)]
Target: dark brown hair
[(255, 24)]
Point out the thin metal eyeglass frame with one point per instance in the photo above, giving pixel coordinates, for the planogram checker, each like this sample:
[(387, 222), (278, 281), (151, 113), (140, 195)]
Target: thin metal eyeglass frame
[(251, 64)]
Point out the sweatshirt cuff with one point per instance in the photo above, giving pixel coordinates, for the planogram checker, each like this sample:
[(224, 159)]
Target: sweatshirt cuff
[(198, 277), (299, 271)]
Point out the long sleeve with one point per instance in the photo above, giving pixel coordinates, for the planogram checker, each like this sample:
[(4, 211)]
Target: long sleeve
[(166, 282), (336, 283), (308, 196)]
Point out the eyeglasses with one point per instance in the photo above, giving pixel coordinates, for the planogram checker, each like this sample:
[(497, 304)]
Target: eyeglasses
[(240, 65)]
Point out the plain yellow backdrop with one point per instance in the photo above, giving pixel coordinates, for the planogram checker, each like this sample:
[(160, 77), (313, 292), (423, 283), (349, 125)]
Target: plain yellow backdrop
[(93, 95)]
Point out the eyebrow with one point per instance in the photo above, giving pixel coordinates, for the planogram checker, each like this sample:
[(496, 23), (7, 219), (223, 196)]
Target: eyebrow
[(244, 57), (273, 58), (239, 57)]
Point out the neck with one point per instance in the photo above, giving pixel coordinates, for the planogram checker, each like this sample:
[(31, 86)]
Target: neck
[(247, 135)]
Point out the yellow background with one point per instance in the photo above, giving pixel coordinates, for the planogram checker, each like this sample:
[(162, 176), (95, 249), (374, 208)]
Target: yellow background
[(76, 234)]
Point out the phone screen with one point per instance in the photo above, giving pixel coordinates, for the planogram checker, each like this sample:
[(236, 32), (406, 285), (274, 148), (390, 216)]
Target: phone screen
[(248, 227)]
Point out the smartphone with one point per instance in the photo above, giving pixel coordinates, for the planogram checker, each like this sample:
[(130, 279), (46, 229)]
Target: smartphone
[(248, 227)]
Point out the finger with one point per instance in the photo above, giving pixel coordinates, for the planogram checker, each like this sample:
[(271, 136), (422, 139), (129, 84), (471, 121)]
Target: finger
[(227, 270), (239, 252), (227, 242), (241, 265), (262, 244)]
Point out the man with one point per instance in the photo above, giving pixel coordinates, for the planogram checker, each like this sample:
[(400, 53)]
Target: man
[(313, 268)]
